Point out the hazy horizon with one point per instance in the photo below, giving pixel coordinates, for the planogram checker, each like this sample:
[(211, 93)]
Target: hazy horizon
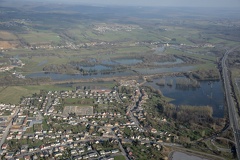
[(147, 3), (170, 3)]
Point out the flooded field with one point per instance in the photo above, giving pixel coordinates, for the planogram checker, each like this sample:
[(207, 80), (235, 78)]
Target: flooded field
[(62, 77), (205, 93), (95, 67), (124, 61), (147, 71)]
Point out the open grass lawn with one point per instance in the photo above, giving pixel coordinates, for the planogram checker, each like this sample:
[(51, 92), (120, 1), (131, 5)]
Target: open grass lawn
[(206, 66), (208, 61), (35, 64), (79, 34), (95, 85), (13, 94), (86, 34), (35, 88), (133, 49), (180, 34), (35, 37), (193, 55), (119, 157)]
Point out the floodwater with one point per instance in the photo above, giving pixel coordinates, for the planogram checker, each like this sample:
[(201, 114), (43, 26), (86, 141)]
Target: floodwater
[(147, 71), (178, 61), (184, 156), (62, 77), (124, 61), (208, 93), (128, 61), (95, 67)]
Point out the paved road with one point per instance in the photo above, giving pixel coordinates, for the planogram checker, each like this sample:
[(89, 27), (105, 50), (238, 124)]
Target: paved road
[(233, 114), (48, 104), (5, 134), (120, 144), (131, 108)]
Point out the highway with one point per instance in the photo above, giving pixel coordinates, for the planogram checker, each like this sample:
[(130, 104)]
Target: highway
[(233, 114)]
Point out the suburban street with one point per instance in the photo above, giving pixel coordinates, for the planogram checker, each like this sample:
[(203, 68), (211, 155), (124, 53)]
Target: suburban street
[(233, 114), (8, 128)]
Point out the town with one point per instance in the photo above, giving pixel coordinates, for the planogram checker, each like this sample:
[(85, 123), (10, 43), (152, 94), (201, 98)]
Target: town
[(43, 126), (105, 82)]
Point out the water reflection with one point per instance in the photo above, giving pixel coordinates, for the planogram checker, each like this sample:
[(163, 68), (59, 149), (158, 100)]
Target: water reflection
[(164, 70), (63, 77), (207, 93), (124, 61)]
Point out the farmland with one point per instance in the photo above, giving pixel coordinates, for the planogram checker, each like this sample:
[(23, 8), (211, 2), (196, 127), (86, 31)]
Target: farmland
[(115, 82), (70, 43)]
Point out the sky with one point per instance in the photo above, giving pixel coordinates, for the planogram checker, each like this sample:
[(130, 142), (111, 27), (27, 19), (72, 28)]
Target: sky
[(140, 3), (174, 3)]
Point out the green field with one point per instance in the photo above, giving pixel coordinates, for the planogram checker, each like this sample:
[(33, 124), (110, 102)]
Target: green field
[(13, 94), (40, 37), (119, 158), (65, 29), (126, 43), (90, 48)]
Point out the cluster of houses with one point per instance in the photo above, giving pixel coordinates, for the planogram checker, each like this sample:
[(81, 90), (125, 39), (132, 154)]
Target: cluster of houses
[(138, 111), (102, 28), (7, 109), (29, 115), (14, 63), (45, 109), (69, 45), (77, 150), (6, 68), (99, 97)]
